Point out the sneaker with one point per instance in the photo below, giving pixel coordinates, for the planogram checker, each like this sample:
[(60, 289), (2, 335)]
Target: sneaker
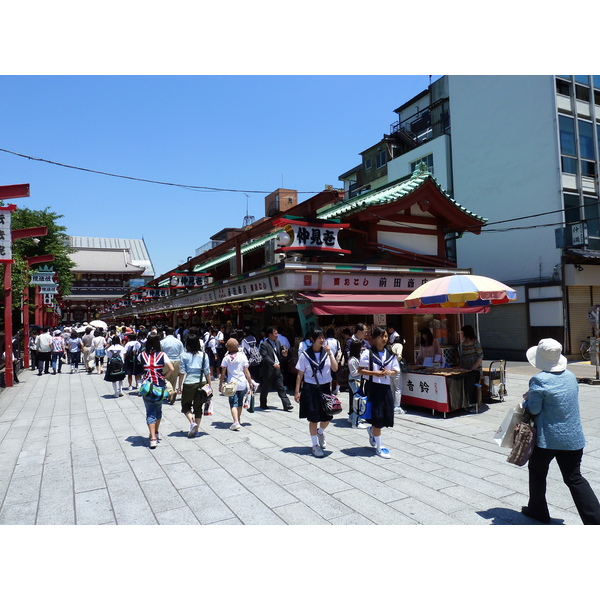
[(383, 452), (399, 411), (193, 430), (235, 427), (153, 443), (125, 389), (371, 437), (318, 451), (322, 442)]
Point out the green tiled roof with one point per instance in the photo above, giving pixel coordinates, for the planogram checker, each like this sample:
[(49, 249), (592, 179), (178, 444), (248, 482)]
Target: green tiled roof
[(391, 193)]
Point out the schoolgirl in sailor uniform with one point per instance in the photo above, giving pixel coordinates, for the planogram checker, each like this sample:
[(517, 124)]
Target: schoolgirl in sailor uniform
[(377, 365), (315, 366)]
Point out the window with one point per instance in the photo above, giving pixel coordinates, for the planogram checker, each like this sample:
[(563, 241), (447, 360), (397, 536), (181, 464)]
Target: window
[(381, 159), (428, 160), (586, 140), (368, 163), (582, 93), (572, 212), (585, 79), (567, 135), (569, 165), (596, 79), (597, 97), (591, 214), (588, 168), (563, 87)]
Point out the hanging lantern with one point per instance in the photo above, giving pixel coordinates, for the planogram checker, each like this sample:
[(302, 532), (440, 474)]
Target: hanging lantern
[(227, 310), (259, 306), (186, 315), (206, 312)]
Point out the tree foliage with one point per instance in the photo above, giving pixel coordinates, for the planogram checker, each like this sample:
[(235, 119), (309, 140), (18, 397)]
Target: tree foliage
[(56, 242)]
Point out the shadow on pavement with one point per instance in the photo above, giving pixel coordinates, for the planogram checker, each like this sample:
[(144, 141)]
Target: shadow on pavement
[(137, 440), (508, 516)]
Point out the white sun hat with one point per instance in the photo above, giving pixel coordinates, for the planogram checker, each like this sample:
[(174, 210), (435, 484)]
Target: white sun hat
[(547, 356)]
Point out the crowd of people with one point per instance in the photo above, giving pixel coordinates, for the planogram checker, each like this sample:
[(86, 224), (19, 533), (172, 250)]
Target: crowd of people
[(162, 364)]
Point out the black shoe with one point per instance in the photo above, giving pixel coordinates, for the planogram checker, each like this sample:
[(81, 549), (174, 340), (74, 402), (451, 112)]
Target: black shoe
[(288, 408), (528, 513), (264, 407)]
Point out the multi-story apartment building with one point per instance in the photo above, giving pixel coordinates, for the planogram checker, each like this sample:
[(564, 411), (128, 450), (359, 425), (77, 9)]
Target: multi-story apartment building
[(524, 151)]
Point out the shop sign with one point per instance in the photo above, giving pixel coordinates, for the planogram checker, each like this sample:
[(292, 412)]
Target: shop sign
[(49, 288), (373, 283), (426, 387), (244, 289), (180, 281), (312, 236), (5, 234), (42, 277), (153, 293)]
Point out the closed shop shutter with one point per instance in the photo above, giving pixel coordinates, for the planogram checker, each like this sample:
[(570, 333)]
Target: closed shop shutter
[(596, 294), (504, 327), (580, 302)]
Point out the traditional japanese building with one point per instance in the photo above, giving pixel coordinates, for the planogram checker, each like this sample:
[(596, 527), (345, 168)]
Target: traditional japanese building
[(105, 271), (328, 260)]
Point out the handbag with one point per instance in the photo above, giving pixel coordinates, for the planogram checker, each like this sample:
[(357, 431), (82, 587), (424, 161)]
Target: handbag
[(207, 389), (331, 404), (230, 388), (505, 434), (525, 435)]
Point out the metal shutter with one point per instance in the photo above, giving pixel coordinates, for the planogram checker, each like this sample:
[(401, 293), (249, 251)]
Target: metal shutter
[(504, 327), (580, 302)]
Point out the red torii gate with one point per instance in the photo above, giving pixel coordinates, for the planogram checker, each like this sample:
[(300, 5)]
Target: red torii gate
[(8, 192)]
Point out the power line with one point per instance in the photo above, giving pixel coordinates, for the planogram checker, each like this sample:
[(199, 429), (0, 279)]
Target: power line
[(199, 188)]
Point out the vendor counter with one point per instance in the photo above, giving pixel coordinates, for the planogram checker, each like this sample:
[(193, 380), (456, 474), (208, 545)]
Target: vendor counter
[(444, 390)]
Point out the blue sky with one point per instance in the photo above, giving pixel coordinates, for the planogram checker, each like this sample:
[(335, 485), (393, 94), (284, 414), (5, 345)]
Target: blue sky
[(253, 133)]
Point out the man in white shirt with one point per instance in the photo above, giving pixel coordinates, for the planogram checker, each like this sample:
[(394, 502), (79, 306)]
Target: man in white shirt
[(43, 345)]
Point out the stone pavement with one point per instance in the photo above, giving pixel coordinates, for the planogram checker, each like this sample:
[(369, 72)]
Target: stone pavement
[(71, 453)]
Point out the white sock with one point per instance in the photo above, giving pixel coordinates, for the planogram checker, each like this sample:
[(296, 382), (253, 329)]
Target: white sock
[(315, 440), (377, 442), (320, 431)]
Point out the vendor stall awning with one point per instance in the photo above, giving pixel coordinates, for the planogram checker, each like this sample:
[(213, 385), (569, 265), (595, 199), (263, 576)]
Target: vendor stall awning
[(367, 304)]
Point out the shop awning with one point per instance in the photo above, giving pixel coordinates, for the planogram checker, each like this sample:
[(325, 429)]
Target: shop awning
[(368, 304)]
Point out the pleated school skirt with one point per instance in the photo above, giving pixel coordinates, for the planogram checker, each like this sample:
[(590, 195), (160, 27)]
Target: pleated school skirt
[(311, 407), (382, 404)]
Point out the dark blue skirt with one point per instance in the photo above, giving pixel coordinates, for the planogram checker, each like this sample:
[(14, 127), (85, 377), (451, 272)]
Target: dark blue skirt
[(311, 407), (382, 404)]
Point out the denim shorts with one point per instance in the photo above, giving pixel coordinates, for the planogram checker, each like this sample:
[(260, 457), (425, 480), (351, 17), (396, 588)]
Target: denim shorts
[(153, 411), (237, 400)]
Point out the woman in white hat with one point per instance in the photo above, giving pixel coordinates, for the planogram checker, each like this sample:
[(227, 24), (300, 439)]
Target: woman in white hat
[(552, 399)]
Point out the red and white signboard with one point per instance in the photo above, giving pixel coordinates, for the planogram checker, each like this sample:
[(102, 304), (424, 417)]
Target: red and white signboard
[(312, 236)]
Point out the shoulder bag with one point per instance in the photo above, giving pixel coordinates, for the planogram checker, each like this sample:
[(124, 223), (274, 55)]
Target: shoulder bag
[(330, 404), (525, 436)]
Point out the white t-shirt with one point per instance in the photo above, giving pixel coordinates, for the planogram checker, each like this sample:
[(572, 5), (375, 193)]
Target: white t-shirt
[(323, 375), (235, 363)]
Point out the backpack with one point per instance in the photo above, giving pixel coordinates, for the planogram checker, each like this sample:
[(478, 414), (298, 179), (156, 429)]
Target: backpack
[(253, 354), (116, 365)]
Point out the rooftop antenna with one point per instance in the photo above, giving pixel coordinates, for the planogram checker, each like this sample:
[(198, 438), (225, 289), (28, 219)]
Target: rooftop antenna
[(248, 219)]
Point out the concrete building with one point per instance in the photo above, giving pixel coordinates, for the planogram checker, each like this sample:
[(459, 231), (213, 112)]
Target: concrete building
[(524, 151)]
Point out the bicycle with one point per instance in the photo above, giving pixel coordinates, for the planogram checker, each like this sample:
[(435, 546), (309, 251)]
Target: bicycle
[(584, 349)]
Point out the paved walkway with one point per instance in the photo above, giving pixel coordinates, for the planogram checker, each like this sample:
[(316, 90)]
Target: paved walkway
[(71, 453)]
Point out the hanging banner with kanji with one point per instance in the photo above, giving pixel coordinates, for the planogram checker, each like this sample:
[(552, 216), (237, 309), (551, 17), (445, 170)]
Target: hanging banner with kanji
[(5, 233), (312, 236)]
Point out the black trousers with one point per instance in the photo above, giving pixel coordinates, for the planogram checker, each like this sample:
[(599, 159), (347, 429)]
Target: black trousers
[(43, 359), (265, 386), (569, 463)]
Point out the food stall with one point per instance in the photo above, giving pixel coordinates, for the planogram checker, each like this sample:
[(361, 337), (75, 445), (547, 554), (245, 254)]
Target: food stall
[(440, 389)]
